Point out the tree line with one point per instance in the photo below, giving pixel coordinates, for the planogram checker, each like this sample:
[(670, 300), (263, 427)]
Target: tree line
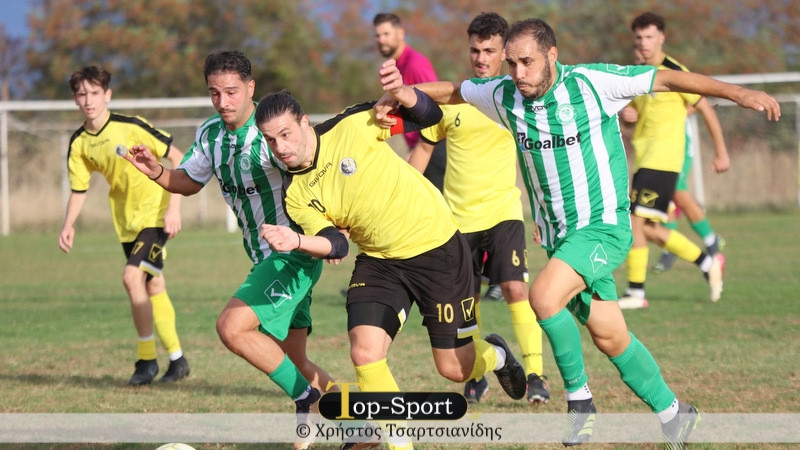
[(324, 52)]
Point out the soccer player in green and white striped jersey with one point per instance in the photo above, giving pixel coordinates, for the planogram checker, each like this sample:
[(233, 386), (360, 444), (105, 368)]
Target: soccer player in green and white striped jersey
[(564, 119), (268, 318)]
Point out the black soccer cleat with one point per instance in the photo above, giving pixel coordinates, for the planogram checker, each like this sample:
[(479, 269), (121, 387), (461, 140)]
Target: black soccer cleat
[(511, 376), (146, 370), (177, 369)]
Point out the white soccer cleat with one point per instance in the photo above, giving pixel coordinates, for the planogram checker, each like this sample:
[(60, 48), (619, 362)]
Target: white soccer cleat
[(715, 276), (632, 302)]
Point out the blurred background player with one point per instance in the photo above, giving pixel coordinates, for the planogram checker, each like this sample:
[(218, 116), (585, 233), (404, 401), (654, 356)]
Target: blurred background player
[(480, 188), (659, 141), (144, 214), (390, 37), (684, 202)]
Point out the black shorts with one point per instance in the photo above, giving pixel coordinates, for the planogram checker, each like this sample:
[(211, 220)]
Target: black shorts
[(439, 281), (499, 253), (147, 252), (651, 192)]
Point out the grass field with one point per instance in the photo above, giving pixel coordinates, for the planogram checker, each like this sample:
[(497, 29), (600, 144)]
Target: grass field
[(69, 343)]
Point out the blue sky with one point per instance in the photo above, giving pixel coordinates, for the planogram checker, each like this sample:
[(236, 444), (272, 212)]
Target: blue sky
[(13, 17)]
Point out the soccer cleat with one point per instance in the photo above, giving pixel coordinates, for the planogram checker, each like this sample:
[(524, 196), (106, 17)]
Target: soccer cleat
[(580, 422), (665, 263), (146, 370), (511, 376), (632, 302), (305, 410), (537, 389), (677, 430), (474, 390), (716, 247), (177, 369), (494, 293), (715, 276)]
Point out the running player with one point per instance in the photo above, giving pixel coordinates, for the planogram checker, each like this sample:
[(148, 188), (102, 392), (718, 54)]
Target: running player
[(564, 120), (268, 319), (144, 215), (659, 141), (480, 188), (342, 176)]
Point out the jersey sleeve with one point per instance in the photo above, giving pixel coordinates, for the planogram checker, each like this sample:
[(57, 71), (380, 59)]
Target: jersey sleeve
[(79, 169), (196, 162), (617, 85), (479, 92)]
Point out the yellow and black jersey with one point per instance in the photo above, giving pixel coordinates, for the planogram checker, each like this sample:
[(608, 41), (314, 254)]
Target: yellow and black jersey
[(659, 139), (480, 184), (136, 202), (358, 182)]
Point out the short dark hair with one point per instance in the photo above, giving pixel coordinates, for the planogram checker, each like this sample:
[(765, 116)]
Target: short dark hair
[(488, 24), (92, 74), (392, 18), (646, 19), (538, 29), (276, 103), (228, 61)]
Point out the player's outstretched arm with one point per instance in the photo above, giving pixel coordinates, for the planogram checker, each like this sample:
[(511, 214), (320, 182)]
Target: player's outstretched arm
[(695, 83)]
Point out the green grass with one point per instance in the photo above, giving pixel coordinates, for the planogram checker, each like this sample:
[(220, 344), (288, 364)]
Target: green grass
[(69, 343)]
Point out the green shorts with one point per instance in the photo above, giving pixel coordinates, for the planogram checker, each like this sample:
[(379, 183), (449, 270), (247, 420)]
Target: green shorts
[(278, 290), (594, 252), (682, 184)]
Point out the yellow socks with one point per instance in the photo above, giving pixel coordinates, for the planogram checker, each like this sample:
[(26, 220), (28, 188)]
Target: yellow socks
[(682, 247), (164, 323), (146, 348), (637, 264), (529, 336)]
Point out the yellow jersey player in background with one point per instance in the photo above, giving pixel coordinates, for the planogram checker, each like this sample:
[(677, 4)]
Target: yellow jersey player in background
[(480, 188), (659, 141), (144, 214)]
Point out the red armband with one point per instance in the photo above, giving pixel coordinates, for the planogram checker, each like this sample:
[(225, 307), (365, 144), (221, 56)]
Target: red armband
[(397, 128)]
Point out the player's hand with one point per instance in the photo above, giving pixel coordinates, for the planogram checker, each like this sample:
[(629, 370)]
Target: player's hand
[(759, 101), (66, 239), (384, 109), (143, 159), (280, 238), (628, 114), (720, 163), (390, 77), (172, 222), (537, 237)]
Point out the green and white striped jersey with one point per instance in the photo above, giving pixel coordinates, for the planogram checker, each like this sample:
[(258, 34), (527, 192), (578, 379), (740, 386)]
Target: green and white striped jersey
[(250, 178), (568, 142)]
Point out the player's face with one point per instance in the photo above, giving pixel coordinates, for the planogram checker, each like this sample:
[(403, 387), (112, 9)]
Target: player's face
[(648, 42), (287, 137), (388, 37), (92, 100), (232, 97), (486, 55), (532, 71)]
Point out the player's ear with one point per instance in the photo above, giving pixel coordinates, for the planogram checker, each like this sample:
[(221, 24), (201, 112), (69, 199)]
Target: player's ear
[(552, 55)]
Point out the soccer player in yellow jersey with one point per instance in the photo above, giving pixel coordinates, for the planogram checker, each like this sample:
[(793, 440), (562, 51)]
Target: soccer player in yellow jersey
[(659, 141), (144, 214), (343, 176), (480, 188)]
